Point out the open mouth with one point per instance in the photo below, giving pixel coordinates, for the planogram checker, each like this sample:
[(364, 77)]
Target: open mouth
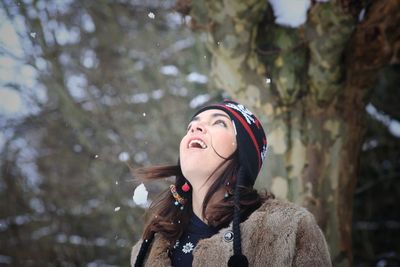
[(197, 143)]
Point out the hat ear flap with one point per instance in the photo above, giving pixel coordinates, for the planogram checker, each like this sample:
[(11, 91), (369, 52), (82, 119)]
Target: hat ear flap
[(143, 251), (238, 261)]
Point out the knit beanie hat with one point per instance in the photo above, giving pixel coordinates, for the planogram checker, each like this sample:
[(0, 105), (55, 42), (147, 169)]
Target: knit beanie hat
[(252, 147), (250, 137)]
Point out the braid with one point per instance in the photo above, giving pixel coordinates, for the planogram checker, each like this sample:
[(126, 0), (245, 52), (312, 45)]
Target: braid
[(237, 244), (143, 251), (238, 259)]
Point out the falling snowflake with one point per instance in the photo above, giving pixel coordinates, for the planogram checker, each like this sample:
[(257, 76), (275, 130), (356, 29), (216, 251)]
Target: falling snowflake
[(151, 15), (140, 196), (188, 247), (176, 244)]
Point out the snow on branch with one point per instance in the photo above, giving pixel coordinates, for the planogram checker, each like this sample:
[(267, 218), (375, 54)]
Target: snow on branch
[(292, 13)]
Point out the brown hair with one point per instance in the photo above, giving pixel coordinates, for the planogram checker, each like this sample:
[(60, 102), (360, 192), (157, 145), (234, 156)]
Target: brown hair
[(170, 221)]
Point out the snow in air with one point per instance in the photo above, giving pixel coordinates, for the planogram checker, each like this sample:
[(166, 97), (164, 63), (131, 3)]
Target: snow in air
[(151, 15), (292, 13), (140, 196)]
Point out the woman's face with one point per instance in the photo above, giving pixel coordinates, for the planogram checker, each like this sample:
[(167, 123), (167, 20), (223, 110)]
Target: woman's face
[(209, 141)]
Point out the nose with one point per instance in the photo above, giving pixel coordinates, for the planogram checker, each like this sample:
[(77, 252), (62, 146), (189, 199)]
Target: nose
[(198, 127)]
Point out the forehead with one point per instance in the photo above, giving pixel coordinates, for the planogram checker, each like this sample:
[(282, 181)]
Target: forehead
[(211, 113)]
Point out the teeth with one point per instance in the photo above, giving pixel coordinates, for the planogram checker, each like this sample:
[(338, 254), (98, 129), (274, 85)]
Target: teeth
[(199, 142)]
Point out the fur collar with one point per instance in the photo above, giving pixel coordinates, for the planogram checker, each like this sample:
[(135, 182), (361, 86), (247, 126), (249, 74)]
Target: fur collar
[(277, 234)]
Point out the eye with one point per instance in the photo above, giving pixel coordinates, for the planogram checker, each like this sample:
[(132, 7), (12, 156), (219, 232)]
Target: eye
[(188, 128), (220, 122)]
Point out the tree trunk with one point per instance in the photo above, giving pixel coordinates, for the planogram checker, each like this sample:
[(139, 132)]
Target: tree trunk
[(310, 100)]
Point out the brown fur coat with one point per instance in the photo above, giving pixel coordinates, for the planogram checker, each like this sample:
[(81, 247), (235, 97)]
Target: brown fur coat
[(277, 234)]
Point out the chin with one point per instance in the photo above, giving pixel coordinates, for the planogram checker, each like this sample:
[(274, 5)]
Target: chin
[(197, 165), (191, 174), (196, 173)]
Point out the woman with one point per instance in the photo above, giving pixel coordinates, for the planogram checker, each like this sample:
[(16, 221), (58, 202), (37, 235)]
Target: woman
[(212, 216)]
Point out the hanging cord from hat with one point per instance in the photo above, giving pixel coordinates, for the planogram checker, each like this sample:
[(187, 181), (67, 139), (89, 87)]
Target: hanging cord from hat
[(238, 259), (143, 251)]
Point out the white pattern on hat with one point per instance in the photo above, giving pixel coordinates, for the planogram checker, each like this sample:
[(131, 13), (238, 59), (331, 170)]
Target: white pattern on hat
[(234, 126), (245, 112), (263, 152)]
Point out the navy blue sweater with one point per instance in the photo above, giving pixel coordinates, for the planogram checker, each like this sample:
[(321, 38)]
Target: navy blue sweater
[(181, 255)]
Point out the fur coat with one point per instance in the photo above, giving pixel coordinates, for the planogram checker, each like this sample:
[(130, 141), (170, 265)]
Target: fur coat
[(277, 234)]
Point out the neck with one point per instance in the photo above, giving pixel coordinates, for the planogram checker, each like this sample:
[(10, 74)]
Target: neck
[(198, 195), (199, 191)]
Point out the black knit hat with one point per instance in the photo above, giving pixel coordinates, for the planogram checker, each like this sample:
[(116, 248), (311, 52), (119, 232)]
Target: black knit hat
[(250, 137), (252, 147)]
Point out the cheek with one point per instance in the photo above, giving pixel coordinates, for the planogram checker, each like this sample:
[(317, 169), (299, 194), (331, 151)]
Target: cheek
[(181, 146), (182, 156), (227, 144)]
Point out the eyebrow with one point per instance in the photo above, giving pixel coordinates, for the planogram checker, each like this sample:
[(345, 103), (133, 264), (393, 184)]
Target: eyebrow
[(214, 115)]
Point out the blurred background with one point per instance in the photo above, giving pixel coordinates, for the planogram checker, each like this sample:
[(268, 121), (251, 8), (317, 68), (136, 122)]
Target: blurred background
[(90, 90)]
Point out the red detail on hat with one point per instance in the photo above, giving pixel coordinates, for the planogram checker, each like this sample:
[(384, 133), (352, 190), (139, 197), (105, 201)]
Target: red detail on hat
[(257, 122)]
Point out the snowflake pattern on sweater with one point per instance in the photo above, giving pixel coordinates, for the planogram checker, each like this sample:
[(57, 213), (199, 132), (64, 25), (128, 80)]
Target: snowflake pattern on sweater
[(182, 252), (187, 248)]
